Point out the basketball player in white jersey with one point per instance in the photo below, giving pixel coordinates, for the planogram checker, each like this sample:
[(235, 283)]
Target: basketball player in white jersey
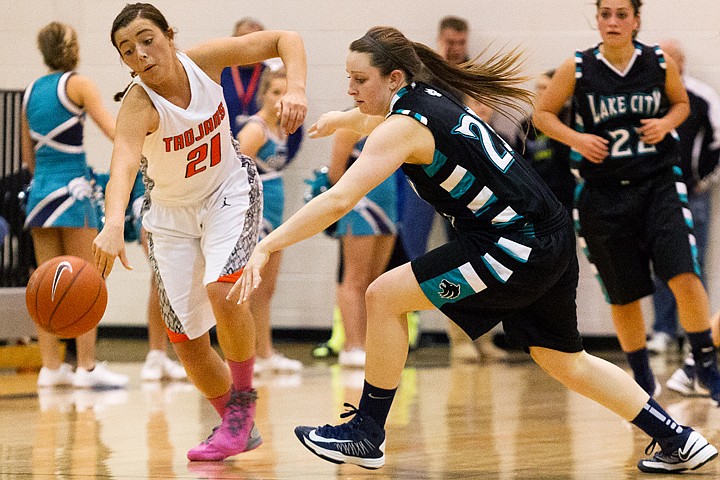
[(203, 201)]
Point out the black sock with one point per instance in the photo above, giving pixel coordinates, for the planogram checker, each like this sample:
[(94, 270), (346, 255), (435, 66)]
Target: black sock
[(639, 361), (705, 357), (376, 402), (656, 422), (702, 348)]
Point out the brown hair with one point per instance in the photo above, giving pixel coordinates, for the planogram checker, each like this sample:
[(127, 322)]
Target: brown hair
[(453, 23), (56, 41), (266, 79), (636, 4), (131, 11), (494, 82)]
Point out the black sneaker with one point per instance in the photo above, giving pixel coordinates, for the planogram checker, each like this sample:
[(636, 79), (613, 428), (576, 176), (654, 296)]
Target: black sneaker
[(361, 441), (708, 375), (694, 454)]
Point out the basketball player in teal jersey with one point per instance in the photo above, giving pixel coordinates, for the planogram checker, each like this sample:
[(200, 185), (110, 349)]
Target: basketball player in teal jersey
[(632, 210), (513, 260)]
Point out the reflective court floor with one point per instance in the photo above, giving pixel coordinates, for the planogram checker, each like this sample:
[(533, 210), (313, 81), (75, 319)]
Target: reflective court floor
[(498, 420)]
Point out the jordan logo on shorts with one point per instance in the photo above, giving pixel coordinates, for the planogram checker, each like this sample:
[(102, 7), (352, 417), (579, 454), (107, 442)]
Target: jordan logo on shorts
[(225, 204), (449, 290)]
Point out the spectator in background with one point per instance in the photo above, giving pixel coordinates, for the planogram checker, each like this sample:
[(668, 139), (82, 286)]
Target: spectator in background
[(367, 234), (452, 45), (61, 212), (262, 140), (699, 151), (240, 87), (452, 39)]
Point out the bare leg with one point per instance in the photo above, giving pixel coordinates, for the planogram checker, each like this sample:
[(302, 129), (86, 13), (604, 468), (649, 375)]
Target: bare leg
[(204, 366), (593, 378), (235, 325), (629, 326), (692, 302), (260, 306), (50, 243), (364, 257), (388, 299), (78, 242)]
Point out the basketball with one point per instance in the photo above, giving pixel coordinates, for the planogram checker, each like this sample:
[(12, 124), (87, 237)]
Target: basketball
[(66, 296)]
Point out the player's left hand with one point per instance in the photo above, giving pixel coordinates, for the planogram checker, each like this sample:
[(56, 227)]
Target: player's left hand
[(250, 278), (291, 109), (653, 130)]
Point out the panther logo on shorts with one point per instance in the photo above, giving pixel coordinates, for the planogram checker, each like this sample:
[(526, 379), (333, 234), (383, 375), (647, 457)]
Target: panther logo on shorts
[(449, 290)]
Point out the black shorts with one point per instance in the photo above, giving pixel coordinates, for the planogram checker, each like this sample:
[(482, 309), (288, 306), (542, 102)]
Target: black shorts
[(625, 229), (527, 283)]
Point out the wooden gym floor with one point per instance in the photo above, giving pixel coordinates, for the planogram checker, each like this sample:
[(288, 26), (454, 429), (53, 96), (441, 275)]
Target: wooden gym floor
[(502, 420)]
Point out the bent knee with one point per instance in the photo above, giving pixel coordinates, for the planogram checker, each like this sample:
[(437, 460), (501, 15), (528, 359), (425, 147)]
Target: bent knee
[(381, 294)]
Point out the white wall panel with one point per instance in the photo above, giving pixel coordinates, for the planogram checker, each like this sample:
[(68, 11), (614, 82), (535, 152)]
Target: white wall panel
[(547, 30)]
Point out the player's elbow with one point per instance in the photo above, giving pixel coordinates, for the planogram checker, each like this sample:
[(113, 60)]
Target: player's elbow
[(341, 202)]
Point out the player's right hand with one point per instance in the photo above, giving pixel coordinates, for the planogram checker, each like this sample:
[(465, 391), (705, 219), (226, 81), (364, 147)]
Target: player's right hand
[(326, 125), (107, 245), (592, 147), (250, 278)]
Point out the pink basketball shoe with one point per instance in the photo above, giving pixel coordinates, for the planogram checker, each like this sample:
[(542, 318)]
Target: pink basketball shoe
[(236, 433)]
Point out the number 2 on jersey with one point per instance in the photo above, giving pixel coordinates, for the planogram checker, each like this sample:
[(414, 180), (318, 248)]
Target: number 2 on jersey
[(622, 147), (199, 155)]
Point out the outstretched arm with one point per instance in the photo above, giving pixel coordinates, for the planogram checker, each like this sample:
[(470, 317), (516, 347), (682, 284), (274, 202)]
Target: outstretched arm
[(215, 55), (387, 148), (137, 117), (330, 122)]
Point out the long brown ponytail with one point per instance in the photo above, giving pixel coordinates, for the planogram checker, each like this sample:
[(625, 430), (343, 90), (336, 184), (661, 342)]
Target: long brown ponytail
[(495, 82)]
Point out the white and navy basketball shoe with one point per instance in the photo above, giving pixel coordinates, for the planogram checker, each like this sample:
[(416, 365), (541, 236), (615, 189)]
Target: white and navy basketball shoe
[(693, 454), (361, 441)]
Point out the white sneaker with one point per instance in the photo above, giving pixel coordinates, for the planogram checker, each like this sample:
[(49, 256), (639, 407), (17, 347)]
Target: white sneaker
[(354, 358), (62, 376), (158, 366), (684, 384), (659, 342), (277, 362), (99, 377)]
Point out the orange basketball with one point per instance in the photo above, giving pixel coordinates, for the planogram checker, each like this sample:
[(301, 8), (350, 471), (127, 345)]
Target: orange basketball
[(66, 296)]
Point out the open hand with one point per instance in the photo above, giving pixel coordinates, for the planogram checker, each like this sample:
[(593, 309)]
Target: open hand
[(107, 245), (291, 109), (250, 278), (326, 125)]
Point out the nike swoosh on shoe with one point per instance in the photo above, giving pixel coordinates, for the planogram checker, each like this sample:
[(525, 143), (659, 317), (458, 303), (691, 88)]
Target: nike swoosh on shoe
[(312, 436)]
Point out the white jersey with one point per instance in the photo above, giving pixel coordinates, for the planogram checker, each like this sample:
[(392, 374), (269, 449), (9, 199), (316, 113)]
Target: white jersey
[(192, 152)]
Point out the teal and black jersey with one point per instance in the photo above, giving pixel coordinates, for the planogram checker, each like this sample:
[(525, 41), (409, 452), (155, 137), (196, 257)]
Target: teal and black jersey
[(610, 104), (475, 179)]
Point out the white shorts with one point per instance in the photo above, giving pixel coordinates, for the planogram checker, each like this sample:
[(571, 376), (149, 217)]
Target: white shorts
[(193, 246)]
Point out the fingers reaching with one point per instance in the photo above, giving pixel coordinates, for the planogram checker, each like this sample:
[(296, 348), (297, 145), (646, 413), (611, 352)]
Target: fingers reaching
[(244, 286), (292, 110)]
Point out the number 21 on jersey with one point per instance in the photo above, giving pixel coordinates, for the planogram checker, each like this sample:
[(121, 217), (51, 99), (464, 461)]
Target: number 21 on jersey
[(197, 158)]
